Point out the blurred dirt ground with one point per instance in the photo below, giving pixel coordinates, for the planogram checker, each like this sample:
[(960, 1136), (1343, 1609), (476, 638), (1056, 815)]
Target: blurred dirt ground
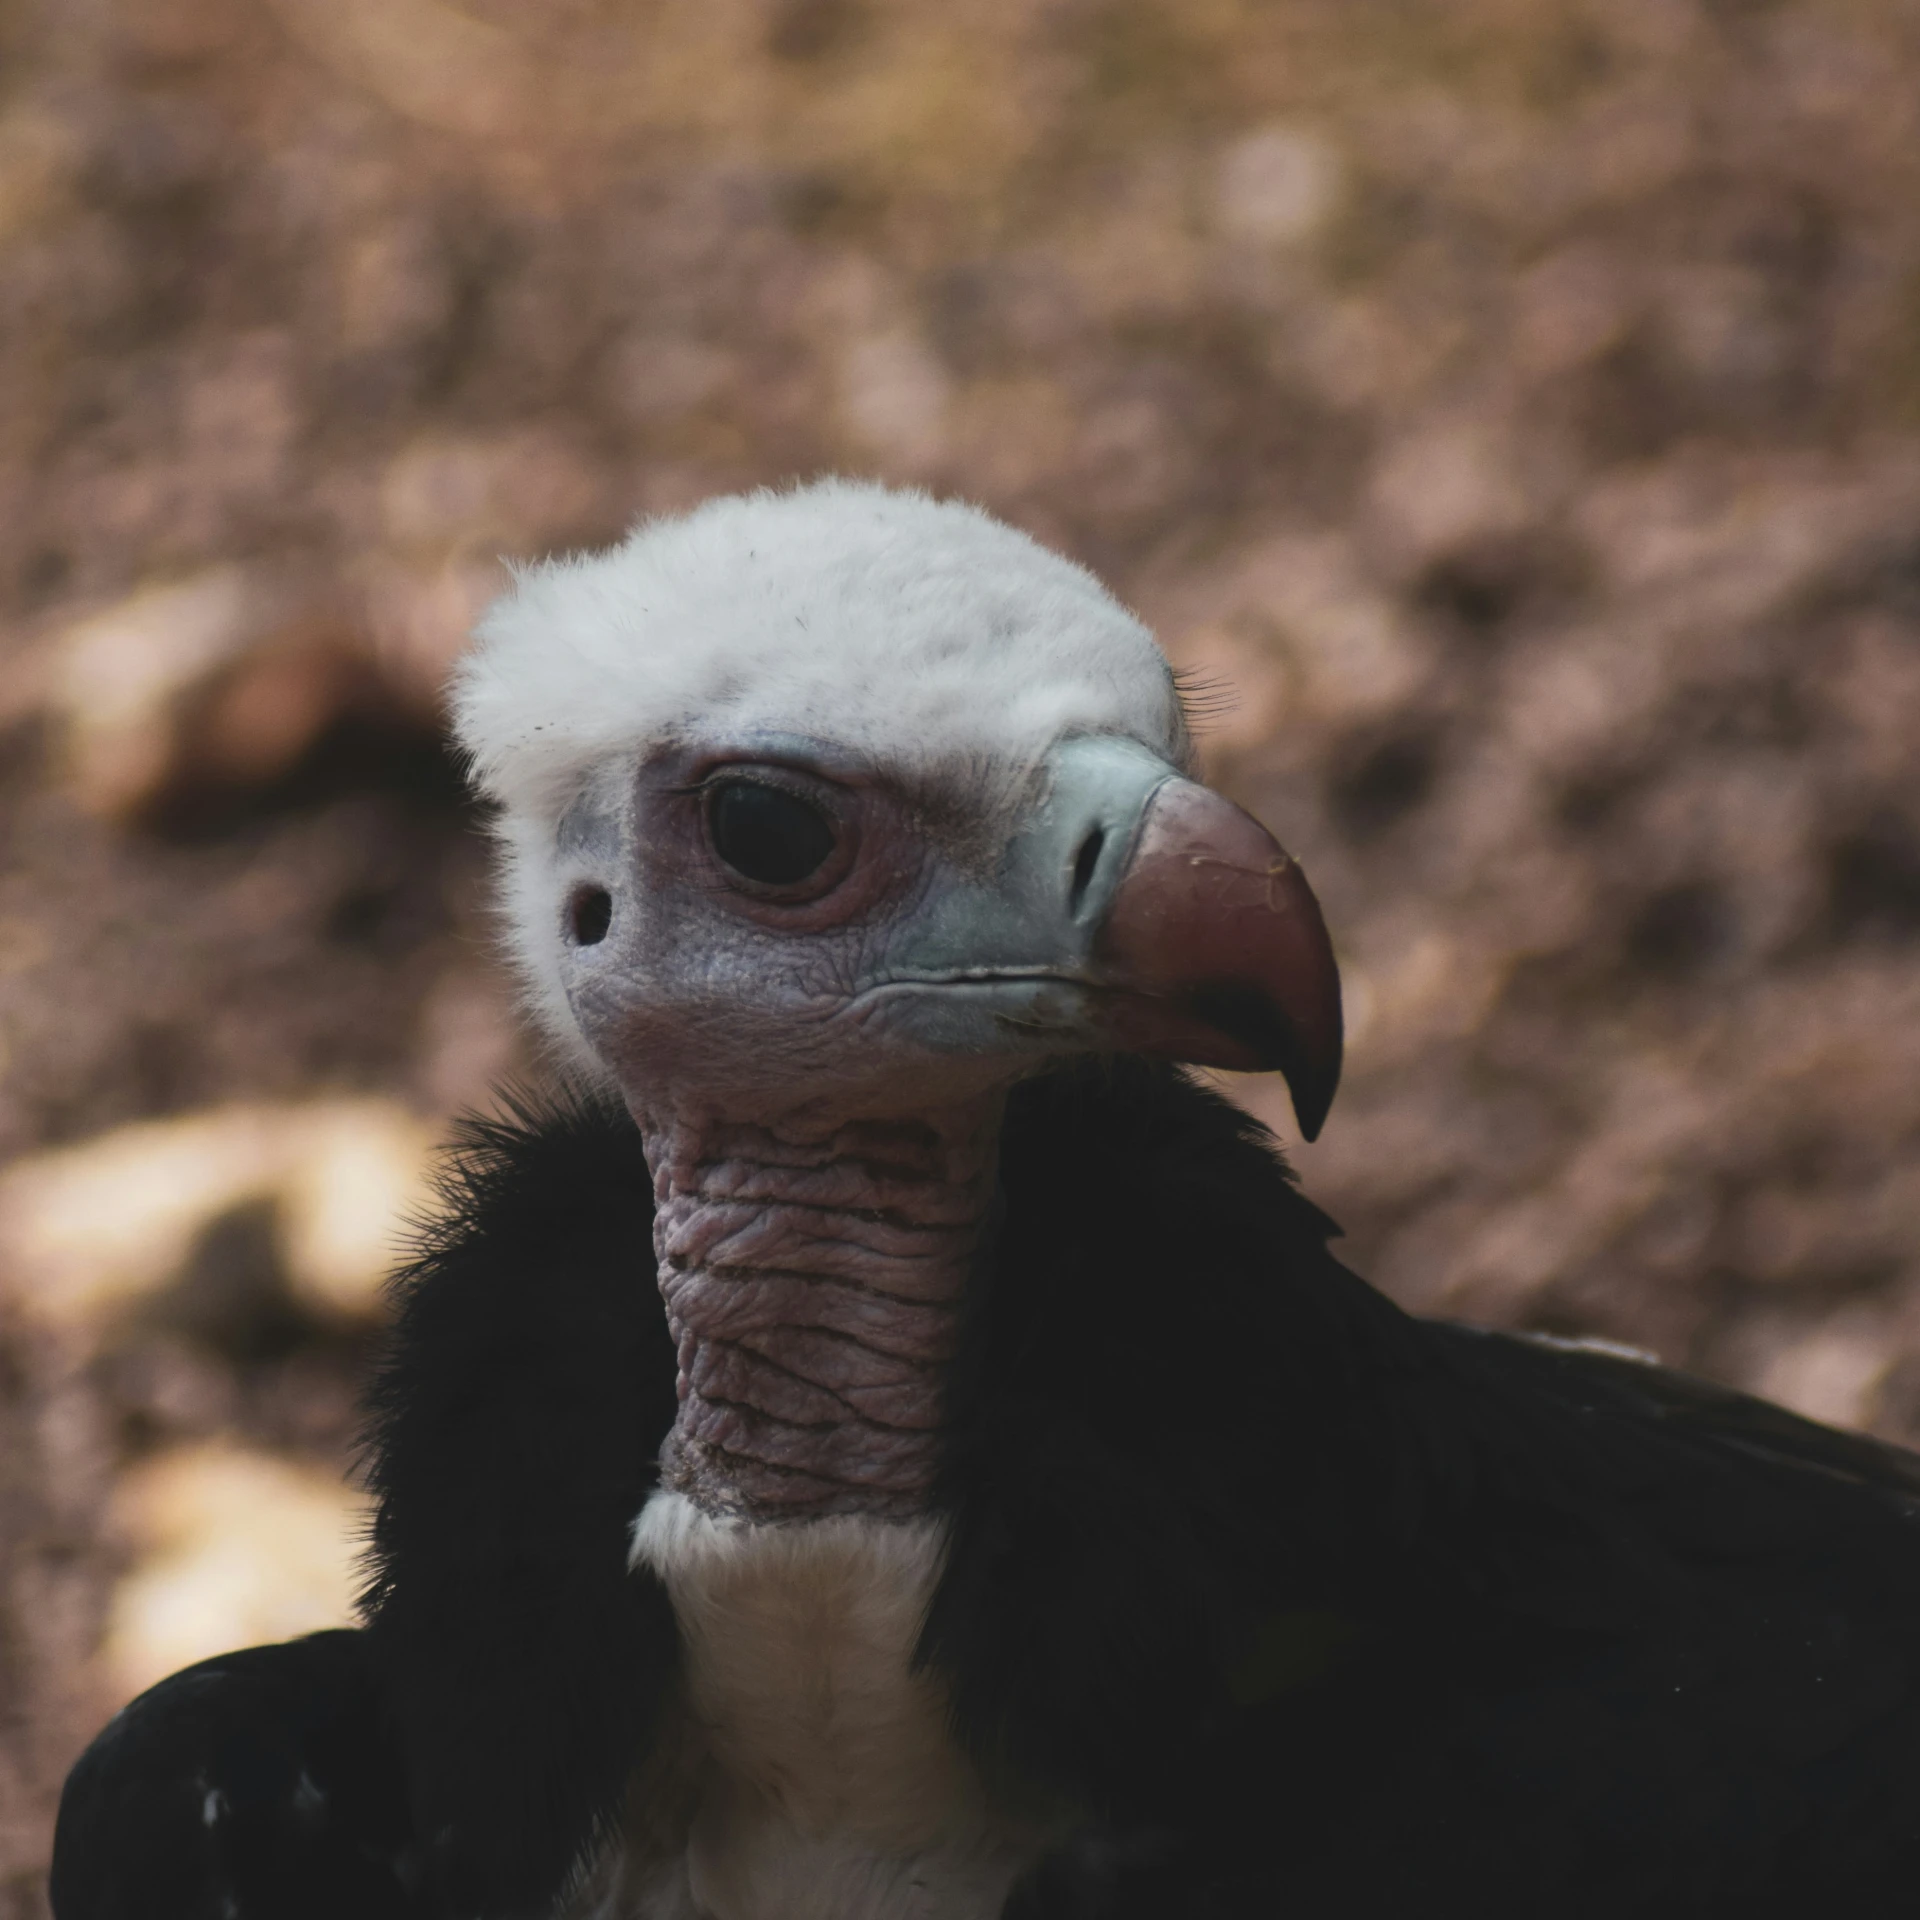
[(1510, 407)]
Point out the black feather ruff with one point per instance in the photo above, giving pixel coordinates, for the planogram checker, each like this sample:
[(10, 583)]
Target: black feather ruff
[(516, 1422), (1293, 1603)]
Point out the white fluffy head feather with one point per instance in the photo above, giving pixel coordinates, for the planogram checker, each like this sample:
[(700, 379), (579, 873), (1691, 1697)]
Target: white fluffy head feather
[(887, 623), (884, 621)]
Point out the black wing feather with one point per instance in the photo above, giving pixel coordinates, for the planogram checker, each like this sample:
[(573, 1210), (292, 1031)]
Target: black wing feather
[(1366, 1614), (262, 1785)]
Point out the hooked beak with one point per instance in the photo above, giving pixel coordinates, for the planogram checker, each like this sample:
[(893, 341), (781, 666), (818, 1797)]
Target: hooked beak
[(1213, 950), (1135, 911)]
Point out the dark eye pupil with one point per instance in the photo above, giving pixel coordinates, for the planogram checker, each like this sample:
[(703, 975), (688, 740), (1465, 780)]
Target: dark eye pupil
[(766, 834)]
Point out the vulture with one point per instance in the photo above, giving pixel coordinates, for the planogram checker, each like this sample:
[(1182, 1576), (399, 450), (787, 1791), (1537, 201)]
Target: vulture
[(888, 1442)]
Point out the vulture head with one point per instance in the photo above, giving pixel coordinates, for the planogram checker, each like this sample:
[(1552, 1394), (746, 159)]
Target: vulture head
[(827, 816)]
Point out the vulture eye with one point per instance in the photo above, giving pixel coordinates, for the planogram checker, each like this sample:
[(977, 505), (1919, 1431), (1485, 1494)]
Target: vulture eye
[(766, 834)]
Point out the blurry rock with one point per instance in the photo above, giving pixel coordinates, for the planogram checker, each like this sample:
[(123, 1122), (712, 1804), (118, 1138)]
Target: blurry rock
[(429, 61), (241, 410), (86, 1232), (230, 1548), (1450, 482), (1351, 651), (255, 722), (179, 31), (1570, 307), (355, 1177), (121, 676), (420, 616), (1276, 187), (1429, 990), (470, 1041), (221, 684), (895, 395), (527, 85), (656, 378), (170, 1385), (1833, 1372), (453, 493), (1352, 353), (38, 153), (395, 287)]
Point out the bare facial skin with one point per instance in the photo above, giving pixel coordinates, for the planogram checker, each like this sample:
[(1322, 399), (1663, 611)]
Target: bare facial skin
[(815, 980), (813, 1278), (819, 1191)]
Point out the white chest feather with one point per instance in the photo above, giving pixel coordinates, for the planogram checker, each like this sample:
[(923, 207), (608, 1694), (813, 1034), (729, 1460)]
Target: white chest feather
[(816, 1779)]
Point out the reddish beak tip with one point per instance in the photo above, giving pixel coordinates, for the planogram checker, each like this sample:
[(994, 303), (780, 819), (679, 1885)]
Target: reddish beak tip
[(1216, 952)]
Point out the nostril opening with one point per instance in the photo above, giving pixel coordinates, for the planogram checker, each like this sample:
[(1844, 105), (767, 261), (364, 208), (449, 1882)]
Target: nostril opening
[(589, 915), (1084, 864)]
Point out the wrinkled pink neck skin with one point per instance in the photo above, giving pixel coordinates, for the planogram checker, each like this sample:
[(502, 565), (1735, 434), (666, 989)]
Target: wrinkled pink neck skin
[(813, 1271)]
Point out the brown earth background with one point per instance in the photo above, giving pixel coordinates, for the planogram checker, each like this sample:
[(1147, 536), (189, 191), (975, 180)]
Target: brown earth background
[(1511, 407)]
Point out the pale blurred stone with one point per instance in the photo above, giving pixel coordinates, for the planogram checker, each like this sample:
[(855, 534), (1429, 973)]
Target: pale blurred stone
[(242, 409), (87, 1230), (395, 285), (169, 32), (510, 87), (118, 678), (421, 616), (1450, 482), (232, 1548), (1564, 701), (228, 675), (469, 1040), (1014, 434), (895, 394), (355, 1174), (1353, 653), (39, 152), (1431, 988), (1725, 322), (452, 492), (277, 702), (1276, 187), (1570, 307), (656, 378), (1354, 354), (1140, 253), (1831, 1374)]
